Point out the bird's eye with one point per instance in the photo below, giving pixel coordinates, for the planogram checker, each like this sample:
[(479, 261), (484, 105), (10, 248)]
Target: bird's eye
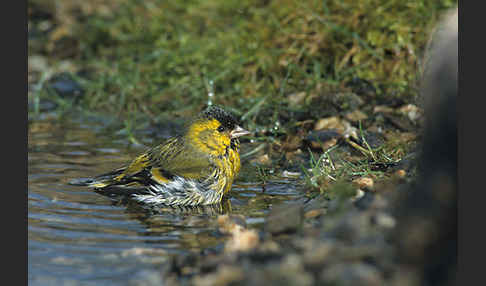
[(221, 128)]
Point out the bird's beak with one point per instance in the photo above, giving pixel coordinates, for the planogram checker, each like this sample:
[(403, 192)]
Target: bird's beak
[(238, 131)]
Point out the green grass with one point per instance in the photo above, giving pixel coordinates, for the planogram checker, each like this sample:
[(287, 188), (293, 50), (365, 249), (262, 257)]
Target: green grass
[(159, 55), (335, 167)]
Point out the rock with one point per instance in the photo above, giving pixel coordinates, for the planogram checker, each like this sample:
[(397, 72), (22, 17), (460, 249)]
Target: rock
[(351, 274), (289, 174), (374, 139), (297, 98), (383, 109), (289, 271), (284, 218), (314, 213), (412, 111), (330, 126), (65, 86), (37, 63), (356, 116), (228, 224), (44, 105), (242, 240), (333, 123), (359, 194), (323, 139), (293, 270), (400, 173), (361, 86), (347, 100), (264, 160), (400, 122), (318, 253), (323, 136), (366, 201), (350, 227), (384, 220), (225, 275), (364, 182)]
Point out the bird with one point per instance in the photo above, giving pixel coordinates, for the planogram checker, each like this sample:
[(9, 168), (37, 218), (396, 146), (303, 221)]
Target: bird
[(195, 168)]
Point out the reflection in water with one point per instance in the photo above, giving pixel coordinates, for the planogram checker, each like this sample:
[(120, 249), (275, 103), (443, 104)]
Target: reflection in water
[(78, 236)]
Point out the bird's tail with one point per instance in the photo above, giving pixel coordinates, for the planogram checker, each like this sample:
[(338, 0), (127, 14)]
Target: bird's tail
[(98, 181)]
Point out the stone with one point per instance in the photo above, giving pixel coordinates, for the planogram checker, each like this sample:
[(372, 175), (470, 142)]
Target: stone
[(284, 218)]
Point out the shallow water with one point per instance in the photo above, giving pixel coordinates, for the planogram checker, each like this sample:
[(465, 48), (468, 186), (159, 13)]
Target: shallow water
[(78, 237)]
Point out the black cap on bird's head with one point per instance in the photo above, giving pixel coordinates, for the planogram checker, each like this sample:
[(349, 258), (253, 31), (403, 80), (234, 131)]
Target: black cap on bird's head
[(227, 120)]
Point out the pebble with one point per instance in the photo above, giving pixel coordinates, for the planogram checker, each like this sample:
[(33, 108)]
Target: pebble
[(351, 274), (359, 194), (284, 218), (289, 174), (296, 98), (401, 173), (65, 86), (323, 138), (361, 86), (330, 123), (242, 240), (318, 253), (347, 100), (385, 220), (228, 224), (225, 275), (412, 111), (364, 182), (356, 116), (383, 109), (374, 139), (365, 201), (314, 213)]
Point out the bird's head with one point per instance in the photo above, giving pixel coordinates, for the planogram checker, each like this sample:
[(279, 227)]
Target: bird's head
[(214, 130)]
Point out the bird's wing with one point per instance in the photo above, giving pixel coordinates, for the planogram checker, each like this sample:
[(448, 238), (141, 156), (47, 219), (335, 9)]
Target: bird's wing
[(161, 163), (178, 159)]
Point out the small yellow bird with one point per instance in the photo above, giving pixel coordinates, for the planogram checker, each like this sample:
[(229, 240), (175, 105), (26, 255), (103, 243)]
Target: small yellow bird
[(195, 168)]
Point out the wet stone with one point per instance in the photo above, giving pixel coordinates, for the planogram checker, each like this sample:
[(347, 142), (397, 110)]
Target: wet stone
[(242, 240), (361, 86), (347, 101), (374, 139), (314, 213), (412, 111), (284, 218), (65, 86), (323, 139), (364, 182), (365, 201), (317, 253), (352, 274), (44, 105), (322, 136), (223, 276), (229, 223), (407, 163), (290, 271), (334, 123), (400, 122), (356, 116)]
